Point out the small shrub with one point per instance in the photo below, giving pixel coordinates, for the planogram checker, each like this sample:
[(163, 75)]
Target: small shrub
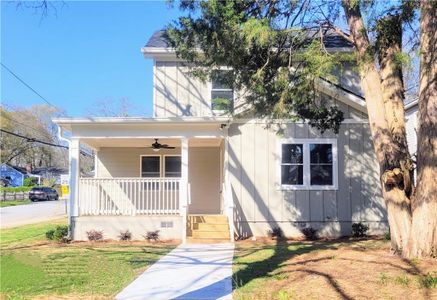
[(49, 234), (387, 236), (60, 234), (95, 235), (276, 232), (125, 235), (429, 281), (359, 229), (30, 181), (310, 233), (152, 235)]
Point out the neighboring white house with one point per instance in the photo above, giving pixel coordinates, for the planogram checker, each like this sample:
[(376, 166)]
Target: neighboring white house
[(225, 177)]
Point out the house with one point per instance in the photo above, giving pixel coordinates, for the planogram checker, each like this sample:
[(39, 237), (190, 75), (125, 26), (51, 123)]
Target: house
[(192, 171), (14, 175)]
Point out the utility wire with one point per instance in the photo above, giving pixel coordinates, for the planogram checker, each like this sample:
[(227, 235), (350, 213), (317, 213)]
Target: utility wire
[(34, 140), (28, 86)]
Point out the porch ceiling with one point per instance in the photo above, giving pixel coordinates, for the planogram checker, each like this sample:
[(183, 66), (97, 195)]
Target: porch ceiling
[(147, 142)]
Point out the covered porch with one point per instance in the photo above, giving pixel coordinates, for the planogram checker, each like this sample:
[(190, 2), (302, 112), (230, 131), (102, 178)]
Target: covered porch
[(132, 179)]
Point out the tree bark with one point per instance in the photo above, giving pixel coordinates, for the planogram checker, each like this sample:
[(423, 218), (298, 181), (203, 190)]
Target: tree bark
[(387, 151), (423, 239), (389, 48)]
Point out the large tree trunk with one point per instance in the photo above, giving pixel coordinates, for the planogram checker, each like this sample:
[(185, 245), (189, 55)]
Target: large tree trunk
[(387, 151), (423, 240)]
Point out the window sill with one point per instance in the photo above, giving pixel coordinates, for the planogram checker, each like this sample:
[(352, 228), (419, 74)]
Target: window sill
[(307, 188)]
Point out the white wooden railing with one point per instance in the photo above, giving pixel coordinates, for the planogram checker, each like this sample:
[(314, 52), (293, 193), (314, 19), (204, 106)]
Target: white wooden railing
[(129, 196)]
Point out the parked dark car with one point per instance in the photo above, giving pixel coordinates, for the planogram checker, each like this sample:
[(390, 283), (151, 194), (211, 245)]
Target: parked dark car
[(43, 193)]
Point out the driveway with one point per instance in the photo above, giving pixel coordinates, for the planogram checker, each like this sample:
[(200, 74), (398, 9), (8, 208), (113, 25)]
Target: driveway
[(31, 213), (191, 271)]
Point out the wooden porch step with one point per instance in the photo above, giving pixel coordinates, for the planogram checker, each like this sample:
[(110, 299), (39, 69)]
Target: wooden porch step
[(211, 227), (210, 234), (212, 219), (191, 240), (208, 227)]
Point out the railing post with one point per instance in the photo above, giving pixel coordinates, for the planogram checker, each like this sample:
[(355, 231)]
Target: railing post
[(183, 197)]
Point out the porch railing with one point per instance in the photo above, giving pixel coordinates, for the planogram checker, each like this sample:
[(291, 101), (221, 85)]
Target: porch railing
[(129, 196)]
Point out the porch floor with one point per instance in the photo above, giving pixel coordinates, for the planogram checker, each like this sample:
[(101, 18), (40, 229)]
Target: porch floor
[(191, 271)]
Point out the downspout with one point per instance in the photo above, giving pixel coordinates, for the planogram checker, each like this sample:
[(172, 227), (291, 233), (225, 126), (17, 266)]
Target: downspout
[(64, 139)]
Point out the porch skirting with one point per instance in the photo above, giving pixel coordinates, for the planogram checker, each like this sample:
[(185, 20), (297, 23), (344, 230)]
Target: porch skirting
[(170, 227), (292, 229)]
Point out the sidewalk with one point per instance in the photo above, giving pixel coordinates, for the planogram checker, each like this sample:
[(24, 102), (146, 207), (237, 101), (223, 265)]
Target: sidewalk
[(191, 271)]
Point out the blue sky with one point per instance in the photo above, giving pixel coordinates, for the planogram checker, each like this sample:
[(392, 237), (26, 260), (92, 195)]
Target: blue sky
[(81, 53)]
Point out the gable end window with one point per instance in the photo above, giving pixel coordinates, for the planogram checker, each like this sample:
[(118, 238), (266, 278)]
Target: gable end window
[(308, 164)]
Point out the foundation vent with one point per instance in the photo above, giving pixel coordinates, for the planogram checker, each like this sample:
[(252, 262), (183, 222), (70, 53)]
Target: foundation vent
[(167, 224)]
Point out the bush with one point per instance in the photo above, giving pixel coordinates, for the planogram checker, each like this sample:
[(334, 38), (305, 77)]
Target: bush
[(125, 235), (429, 281), (16, 189), (95, 235), (152, 235), (359, 229), (310, 233), (50, 234), (60, 234), (30, 181), (275, 232)]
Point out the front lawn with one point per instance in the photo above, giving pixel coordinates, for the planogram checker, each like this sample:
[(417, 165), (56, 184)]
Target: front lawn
[(342, 269), (14, 202), (32, 267)]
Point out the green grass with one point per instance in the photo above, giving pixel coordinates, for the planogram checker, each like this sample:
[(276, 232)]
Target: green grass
[(24, 235), (14, 202), (255, 266), (30, 268)]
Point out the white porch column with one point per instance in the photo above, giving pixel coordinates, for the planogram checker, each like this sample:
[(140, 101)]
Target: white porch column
[(183, 188), (74, 177)]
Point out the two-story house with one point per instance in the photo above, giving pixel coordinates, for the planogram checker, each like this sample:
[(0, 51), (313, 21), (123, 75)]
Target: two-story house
[(192, 171)]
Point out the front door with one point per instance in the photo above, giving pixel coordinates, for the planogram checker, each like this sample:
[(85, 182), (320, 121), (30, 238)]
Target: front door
[(204, 177)]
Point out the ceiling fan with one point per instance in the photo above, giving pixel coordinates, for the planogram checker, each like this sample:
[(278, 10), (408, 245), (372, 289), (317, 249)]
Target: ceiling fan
[(156, 146)]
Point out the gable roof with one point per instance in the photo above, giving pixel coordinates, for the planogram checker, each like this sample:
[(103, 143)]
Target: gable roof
[(332, 41)]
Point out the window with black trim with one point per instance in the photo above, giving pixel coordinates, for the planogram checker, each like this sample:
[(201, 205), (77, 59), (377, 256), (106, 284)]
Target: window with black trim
[(150, 166), (172, 166), (309, 164)]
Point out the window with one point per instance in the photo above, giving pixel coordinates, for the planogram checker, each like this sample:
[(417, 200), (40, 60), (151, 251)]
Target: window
[(154, 166), (222, 92), (308, 164), (172, 166), (150, 166)]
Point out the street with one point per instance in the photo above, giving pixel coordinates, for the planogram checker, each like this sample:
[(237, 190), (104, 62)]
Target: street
[(32, 213)]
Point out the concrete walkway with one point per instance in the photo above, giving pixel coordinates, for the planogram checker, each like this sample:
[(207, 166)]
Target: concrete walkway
[(191, 271)]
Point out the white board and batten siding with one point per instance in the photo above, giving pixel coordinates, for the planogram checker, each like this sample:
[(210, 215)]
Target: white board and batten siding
[(261, 204)]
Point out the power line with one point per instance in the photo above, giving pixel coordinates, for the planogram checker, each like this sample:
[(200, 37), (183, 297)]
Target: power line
[(25, 84), (34, 140)]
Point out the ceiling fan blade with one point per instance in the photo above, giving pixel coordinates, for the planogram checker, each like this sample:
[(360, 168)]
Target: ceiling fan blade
[(167, 147)]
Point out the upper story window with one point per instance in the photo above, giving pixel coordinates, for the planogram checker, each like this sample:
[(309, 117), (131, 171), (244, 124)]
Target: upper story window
[(222, 92), (308, 164)]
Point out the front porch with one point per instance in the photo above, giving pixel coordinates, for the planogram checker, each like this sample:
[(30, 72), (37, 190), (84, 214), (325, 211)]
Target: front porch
[(139, 188)]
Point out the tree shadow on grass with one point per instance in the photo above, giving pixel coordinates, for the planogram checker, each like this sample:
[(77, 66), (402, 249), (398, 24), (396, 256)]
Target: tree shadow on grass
[(282, 252), (275, 266)]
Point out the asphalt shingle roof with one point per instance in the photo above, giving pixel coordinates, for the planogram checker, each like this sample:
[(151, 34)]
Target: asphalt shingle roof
[(330, 38)]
